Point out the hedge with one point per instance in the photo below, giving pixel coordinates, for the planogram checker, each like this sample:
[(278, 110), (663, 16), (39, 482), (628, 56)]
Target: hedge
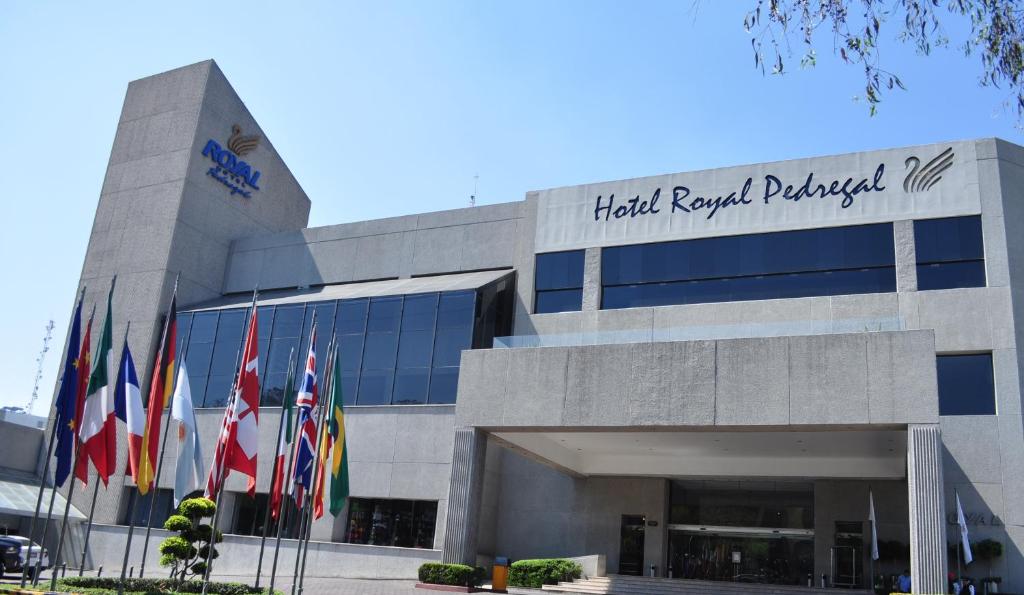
[(535, 573), (458, 575), (152, 585)]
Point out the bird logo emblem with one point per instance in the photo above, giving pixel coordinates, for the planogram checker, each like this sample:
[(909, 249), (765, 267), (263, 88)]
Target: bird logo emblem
[(242, 144), (921, 178)]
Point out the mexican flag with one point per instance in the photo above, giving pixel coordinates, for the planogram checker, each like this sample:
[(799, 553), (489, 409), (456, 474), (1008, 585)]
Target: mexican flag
[(98, 432)]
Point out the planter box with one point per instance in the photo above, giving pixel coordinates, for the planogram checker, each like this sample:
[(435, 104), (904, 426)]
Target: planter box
[(450, 588)]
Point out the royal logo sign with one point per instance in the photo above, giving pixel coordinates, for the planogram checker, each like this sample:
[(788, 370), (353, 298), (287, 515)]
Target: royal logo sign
[(229, 168)]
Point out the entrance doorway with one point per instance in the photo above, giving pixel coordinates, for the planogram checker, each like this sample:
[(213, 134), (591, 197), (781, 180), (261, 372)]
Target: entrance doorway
[(741, 554), (631, 544)]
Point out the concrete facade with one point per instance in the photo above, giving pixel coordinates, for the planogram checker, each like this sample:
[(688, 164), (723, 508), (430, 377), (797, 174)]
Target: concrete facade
[(582, 417)]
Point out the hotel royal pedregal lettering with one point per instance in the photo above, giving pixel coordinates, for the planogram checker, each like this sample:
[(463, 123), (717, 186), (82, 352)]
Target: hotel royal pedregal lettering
[(229, 168), (786, 195)]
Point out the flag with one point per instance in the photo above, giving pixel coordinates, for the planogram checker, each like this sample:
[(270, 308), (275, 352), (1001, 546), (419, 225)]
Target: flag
[(277, 485), (128, 408), (84, 362), (337, 451), (874, 527), (64, 418), (960, 520), (98, 431), (238, 444), (306, 401), (160, 388), (189, 471)]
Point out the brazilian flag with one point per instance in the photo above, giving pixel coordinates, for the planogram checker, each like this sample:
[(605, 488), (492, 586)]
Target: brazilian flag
[(339, 454)]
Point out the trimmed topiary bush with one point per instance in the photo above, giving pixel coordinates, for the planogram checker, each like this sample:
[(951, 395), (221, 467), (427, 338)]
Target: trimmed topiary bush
[(188, 552), (458, 575), (535, 573)]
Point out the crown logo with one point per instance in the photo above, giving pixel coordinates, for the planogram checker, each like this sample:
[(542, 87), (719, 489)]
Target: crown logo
[(920, 179), (241, 144)]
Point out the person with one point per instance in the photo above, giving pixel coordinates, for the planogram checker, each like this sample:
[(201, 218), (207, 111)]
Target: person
[(904, 581), (968, 587), (957, 587)]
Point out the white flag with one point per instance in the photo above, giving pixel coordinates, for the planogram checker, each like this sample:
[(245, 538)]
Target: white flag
[(188, 475), (960, 520), (874, 528)]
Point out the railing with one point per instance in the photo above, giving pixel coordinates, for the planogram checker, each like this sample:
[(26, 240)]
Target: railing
[(705, 332)]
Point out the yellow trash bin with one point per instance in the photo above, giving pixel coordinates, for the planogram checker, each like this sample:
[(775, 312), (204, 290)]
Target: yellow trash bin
[(499, 575)]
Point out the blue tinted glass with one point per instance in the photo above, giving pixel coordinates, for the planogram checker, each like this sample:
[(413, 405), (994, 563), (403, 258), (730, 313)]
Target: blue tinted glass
[(281, 350), (793, 285), (415, 348), (375, 387), (229, 342), (948, 275), (217, 389), (559, 270), (349, 384), (198, 359), (324, 328), (965, 384), (350, 350), (411, 386), (560, 300), (264, 324), (197, 384), (204, 327), (942, 240), (385, 315), (288, 321), (184, 322), (443, 385), (272, 391), (231, 325), (455, 309), (380, 350), (419, 312), (448, 346), (351, 316)]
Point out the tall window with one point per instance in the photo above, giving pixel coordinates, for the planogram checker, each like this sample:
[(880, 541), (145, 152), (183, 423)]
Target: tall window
[(398, 523), (139, 506), (950, 253), (966, 385), (559, 282), (790, 264)]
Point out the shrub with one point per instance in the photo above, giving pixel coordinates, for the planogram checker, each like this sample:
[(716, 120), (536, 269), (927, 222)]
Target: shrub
[(535, 573), (152, 586), (188, 552), (458, 575)]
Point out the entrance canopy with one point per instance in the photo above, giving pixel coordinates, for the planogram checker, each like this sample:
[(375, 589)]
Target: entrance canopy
[(19, 499), (863, 454)]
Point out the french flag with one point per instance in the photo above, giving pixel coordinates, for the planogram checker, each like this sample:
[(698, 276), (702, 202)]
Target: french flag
[(128, 408)]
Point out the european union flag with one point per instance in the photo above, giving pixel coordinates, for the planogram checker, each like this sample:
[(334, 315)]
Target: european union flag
[(67, 398)]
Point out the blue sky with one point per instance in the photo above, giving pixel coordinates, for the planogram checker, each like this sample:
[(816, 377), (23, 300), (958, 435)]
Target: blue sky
[(390, 108)]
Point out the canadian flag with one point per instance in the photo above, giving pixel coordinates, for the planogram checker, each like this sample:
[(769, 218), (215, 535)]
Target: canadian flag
[(239, 436)]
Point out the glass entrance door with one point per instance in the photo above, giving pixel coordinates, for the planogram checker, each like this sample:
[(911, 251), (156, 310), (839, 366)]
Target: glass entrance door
[(631, 545), (741, 554)]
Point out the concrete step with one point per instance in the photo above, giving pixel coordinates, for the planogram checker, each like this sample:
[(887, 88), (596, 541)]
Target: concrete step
[(634, 585)]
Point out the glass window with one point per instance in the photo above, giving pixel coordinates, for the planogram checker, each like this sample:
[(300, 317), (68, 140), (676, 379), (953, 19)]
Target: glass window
[(249, 514), (950, 253), (802, 263), (375, 387), (443, 385), (218, 388), (184, 322), (558, 282), (204, 327), (139, 506), (411, 386), (966, 386), (397, 523)]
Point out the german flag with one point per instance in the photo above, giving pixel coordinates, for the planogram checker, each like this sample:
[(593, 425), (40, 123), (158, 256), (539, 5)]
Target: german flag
[(161, 388)]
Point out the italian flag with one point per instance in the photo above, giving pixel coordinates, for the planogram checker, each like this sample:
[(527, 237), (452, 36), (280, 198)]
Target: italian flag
[(98, 432)]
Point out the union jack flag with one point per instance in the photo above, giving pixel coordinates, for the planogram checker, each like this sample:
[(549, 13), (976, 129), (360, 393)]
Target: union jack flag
[(305, 445)]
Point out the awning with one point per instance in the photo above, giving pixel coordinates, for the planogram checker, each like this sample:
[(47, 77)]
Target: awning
[(19, 499), (435, 283)]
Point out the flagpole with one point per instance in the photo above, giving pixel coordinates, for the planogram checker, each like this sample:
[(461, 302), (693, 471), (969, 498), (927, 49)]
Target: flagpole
[(288, 478), (220, 468), (308, 496), (131, 502), (328, 386), (88, 527), (959, 538), (163, 442), (71, 488), (273, 477)]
